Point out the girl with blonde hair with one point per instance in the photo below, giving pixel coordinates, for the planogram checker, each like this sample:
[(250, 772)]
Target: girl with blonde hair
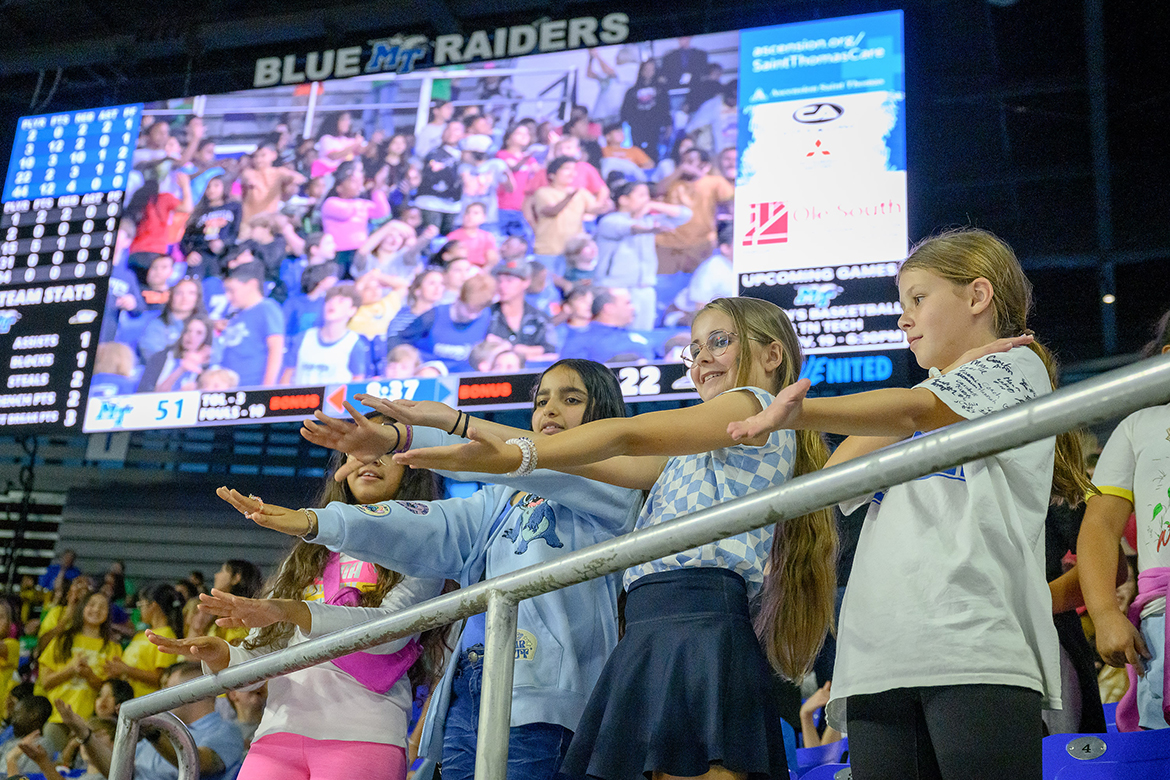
[(946, 650)]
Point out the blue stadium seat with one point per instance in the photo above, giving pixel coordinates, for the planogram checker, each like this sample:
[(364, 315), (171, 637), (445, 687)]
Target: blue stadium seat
[(811, 757), (829, 772), (789, 745), (1111, 718), (1066, 756)]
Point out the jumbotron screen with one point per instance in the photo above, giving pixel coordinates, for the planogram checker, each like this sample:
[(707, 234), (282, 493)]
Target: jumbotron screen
[(358, 223)]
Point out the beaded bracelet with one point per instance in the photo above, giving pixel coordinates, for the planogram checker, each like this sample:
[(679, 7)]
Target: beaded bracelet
[(527, 456), (409, 439)]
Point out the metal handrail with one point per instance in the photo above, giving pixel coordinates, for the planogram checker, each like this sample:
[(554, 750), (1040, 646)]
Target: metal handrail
[(1108, 396)]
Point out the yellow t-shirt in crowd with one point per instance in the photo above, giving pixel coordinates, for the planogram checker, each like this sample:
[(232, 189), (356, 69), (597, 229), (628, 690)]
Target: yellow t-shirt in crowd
[(49, 619), (233, 636), (76, 692), (141, 654), (8, 667)]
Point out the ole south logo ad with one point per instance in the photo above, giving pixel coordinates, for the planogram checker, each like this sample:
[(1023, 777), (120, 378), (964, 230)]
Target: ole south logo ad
[(768, 224)]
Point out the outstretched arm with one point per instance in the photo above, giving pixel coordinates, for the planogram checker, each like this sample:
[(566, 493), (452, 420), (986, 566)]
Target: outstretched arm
[(1118, 641), (663, 434)]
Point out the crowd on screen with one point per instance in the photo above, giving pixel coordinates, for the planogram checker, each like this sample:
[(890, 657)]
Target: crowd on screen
[(488, 241)]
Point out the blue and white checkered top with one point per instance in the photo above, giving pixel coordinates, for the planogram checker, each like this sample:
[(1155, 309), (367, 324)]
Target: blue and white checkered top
[(693, 482)]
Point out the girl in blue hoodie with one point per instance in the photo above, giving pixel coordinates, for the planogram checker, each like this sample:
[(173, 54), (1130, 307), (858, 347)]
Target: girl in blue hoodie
[(562, 638)]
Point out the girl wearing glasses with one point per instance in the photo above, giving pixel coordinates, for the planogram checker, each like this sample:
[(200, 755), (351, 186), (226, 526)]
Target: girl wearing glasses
[(688, 691), (947, 651)]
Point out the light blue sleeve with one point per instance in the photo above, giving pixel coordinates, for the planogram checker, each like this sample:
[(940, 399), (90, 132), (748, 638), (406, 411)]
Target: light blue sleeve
[(684, 216), (613, 507), (331, 618), (416, 538)]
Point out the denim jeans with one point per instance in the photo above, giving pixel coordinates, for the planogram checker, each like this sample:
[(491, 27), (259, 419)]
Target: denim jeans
[(535, 750)]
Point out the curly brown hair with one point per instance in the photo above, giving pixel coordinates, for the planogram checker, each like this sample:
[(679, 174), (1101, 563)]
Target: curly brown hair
[(305, 563)]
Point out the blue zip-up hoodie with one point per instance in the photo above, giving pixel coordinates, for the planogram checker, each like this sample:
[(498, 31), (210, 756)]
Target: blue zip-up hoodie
[(563, 638)]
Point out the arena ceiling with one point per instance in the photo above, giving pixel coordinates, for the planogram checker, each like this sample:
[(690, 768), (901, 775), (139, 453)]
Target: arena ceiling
[(1043, 120)]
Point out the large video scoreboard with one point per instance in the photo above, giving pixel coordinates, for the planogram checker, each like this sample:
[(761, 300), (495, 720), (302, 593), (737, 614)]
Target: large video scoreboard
[(820, 219)]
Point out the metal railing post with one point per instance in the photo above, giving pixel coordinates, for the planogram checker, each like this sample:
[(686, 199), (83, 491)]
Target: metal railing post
[(187, 753), (495, 701)]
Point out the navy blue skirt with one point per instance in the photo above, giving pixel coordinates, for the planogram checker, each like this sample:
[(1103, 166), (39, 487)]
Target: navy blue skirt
[(688, 686)]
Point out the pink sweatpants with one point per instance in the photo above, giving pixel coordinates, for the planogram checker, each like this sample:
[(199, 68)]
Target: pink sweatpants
[(293, 757)]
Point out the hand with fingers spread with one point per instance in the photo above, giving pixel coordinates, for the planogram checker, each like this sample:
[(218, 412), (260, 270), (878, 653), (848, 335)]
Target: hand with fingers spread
[(211, 650), (363, 439), (485, 453), (240, 612), (999, 345), (783, 412), (427, 414), (294, 522)]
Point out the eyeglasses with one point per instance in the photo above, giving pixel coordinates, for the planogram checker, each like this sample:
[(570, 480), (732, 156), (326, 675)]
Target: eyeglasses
[(717, 343)]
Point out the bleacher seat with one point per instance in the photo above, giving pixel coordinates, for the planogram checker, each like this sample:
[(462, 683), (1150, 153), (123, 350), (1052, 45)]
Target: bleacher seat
[(829, 772), (1131, 756), (812, 757), (1111, 718)]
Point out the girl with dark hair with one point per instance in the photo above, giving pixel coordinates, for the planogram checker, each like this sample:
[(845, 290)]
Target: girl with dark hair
[(73, 663), (212, 229), (178, 368), (184, 302), (346, 718), (564, 636), (336, 143), (346, 215), (646, 109), (152, 211), (142, 663)]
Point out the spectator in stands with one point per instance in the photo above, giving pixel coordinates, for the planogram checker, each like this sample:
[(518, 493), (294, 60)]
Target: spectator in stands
[(141, 664), (684, 66), (426, 291), (626, 255), (560, 210), (580, 260), (646, 109), (448, 332), (72, 664), (29, 718), (213, 228), (152, 212), (715, 124), (709, 86), (331, 352), (613, 81), (714, 278), (66, 601), (337, 142), (457, 269), (248, 704), (9, 654), (319, 248), (542, 294), (303, 311), (430, 137), (235, 576), (220, 746), (483, 178), (393, 249), (395, 159), (576, 313), (381, 297), (179, 367), (271, 238), (441, 186), (580, 127), (253, 341), (218, 380), (608, 337), (615, 148), (669, 164), (125, 293), (156, 290), (585, 174), (402, 362), (185, 301), (507, 361), (523, 167), (482, 354), (346, 215), (694, 184), (61, 572), (112, 695), (728, 162), (203, 167), (264, 184), (479, 243), (525, 328)]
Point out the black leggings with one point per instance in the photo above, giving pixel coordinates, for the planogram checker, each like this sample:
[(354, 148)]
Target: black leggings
[(954, 732)]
